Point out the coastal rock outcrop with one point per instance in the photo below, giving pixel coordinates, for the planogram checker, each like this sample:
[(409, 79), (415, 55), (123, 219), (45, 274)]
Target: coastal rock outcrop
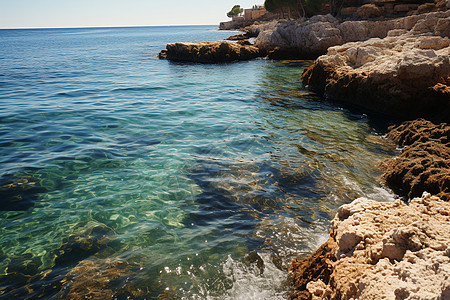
[(406, 73), (424, 164), (310, 38), (209, 52), (382, 251)]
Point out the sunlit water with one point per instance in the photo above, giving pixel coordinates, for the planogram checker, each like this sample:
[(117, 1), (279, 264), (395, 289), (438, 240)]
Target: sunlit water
[(126, 176)]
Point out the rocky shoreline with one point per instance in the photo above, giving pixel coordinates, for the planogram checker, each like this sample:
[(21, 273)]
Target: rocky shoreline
[(385, 250), (398, 67), (404, 74)]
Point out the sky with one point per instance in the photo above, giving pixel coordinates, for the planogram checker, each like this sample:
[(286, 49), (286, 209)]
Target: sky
[(105, 13)]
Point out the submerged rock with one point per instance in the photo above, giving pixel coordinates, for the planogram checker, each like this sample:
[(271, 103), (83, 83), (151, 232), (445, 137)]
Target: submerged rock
[(95, 279), (404, 74), (209, 52), (19, 193), (381, 251), (87, 240), (424, 164)]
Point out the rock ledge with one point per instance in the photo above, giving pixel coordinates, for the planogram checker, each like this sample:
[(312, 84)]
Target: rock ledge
[(209, 52)]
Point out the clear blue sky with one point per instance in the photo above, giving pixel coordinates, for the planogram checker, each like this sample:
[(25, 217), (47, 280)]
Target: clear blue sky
[(85, 13)]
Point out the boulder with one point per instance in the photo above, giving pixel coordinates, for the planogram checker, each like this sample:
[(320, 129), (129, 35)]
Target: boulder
[(209, 52), (379, 250)]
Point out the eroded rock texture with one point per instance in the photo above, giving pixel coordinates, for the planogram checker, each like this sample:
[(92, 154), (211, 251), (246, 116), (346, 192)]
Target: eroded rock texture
[(384, 251), (405, 74), (306, 38), (424, 164)]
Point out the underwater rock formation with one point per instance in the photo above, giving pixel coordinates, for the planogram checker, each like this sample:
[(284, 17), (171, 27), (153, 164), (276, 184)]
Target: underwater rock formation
[(94, 279), (87, 240), (19, 193), (209, 52), (383, 251)]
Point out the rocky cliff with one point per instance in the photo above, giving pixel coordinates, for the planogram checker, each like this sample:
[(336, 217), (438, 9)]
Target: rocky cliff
[(306, 38), (406, 73)]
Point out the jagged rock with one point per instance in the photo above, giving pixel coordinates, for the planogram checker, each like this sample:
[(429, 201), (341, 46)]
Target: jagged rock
[(318, 266), (424, 164), (405, 75), (209, 52), (307, 38), (382, 251)]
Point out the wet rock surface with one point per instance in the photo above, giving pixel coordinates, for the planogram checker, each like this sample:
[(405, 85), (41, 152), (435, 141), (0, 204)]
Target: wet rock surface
[(209, 52), (382, 251), (404, 74), (424, 164), (318, 266)]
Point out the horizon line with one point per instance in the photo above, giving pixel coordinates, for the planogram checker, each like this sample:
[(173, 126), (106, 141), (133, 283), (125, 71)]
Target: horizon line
[(106, 26)]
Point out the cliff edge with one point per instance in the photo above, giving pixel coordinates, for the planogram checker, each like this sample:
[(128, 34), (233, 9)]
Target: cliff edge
[(405, 74)]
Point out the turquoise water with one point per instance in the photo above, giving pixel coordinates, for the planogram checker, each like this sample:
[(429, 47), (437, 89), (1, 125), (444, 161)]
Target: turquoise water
[(170, 180)]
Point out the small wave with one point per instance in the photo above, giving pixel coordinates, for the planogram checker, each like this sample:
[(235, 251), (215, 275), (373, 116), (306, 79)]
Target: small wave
[(138, 89), (75, 93), (253, 283)]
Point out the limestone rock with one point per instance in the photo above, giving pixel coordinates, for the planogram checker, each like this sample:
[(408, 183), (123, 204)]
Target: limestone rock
[(310, 38), (405, 74), (209, 52), (401, 252)]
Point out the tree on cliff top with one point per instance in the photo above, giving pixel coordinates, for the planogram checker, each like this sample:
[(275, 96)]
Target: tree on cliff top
[(235, 11)]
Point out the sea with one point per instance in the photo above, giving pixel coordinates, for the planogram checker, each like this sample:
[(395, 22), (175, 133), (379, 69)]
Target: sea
[(123, 176)]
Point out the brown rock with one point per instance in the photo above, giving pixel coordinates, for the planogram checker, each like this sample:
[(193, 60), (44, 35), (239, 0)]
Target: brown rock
[(238, 37), (348, 11), (424, 164), (318, 266), (209, 52), (369, 11), (93, 278)]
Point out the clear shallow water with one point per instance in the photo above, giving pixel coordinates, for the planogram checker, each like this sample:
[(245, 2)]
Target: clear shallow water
[(171, 180)]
